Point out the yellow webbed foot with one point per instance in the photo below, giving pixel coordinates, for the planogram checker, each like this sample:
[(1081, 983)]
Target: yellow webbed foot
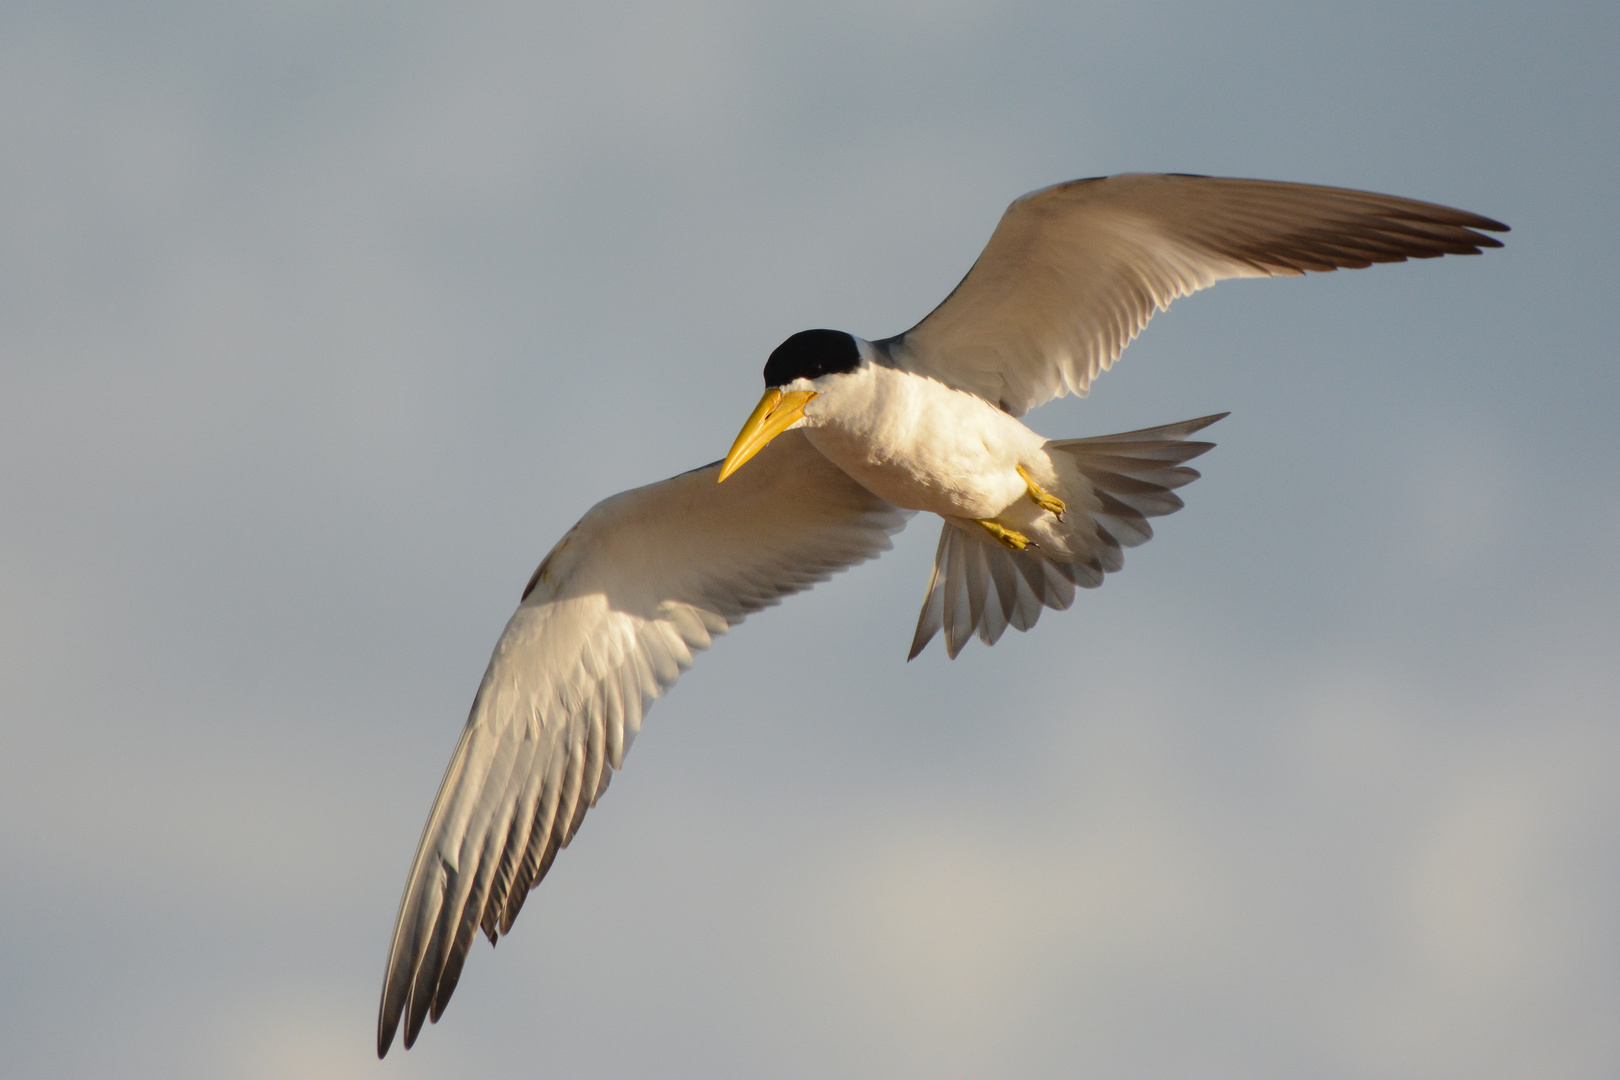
[(1043, 499), (1010, 538)]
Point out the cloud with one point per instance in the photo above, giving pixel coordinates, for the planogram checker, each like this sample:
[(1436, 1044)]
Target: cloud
[(320, 323)]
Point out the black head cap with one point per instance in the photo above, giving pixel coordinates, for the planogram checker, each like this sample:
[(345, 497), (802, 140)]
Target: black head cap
[(810, 354)]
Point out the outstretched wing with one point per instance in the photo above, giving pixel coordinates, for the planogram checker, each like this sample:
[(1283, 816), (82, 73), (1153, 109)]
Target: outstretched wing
[(1074, 272), (609, 621)]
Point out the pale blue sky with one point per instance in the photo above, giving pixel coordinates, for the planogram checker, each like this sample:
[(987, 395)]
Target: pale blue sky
[(319, 323)]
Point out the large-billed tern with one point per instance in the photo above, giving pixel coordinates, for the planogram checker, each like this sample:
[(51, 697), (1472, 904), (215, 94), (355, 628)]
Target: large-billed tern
[(851, 438)]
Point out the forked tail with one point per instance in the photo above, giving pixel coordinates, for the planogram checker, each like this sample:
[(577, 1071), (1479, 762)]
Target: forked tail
[(1112, 485)]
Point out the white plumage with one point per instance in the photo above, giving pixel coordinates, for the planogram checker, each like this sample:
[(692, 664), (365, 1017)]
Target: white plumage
[(854, 436)]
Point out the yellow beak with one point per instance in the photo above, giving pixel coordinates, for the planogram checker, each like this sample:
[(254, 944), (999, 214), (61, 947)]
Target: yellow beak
[(775, 413)]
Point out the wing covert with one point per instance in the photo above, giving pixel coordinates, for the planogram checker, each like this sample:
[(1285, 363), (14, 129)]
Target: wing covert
[(1073, 272), (613, 615)]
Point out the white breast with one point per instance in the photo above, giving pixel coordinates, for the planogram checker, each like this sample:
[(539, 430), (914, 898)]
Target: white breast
[(920, 444)]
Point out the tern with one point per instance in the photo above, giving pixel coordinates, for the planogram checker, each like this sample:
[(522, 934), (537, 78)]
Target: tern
[(851, 438)]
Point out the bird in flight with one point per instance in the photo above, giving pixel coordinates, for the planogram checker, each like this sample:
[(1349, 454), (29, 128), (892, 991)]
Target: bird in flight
[(851, 438)]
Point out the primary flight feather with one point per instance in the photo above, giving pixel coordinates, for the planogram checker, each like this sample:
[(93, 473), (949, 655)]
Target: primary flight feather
[(851, 438)]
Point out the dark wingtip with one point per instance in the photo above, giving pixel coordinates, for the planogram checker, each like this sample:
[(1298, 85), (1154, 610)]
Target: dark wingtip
[(385, 1035), (1476, 222), (387, 1016), (1189, 427), (918, 644)]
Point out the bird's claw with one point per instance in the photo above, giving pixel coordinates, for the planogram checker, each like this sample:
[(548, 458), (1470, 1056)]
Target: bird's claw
[(1008, 538), (1041, 498)]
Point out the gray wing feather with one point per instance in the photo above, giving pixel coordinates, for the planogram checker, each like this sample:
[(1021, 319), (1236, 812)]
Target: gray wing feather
[(1073, 272)]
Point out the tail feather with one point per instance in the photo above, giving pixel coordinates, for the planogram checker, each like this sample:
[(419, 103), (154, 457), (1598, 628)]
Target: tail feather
[(979, 587)]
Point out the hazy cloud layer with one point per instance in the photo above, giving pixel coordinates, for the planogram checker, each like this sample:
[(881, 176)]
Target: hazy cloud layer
[(320, 322)]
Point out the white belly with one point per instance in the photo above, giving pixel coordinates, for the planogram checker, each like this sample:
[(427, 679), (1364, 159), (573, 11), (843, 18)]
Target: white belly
[(921, 445)]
